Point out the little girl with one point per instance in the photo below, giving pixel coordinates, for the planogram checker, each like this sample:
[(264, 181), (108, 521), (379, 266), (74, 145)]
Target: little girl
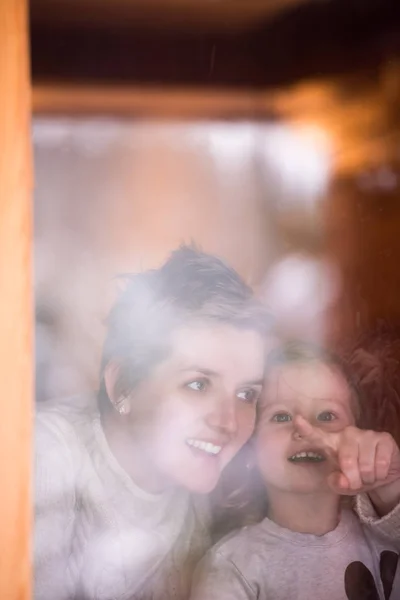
[(309, 546)]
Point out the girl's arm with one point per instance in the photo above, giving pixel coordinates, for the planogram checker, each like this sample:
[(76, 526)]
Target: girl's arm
[(380, 511)]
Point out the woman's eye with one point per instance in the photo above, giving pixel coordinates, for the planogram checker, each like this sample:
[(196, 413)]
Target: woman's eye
[(198, 385), (249, 396), (326, 416), (281, 418)]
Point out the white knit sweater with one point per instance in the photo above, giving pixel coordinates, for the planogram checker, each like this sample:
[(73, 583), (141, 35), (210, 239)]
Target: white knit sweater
[(97, 535)]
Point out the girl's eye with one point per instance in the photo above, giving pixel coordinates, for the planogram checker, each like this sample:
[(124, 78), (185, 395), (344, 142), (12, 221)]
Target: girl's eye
[(249, 396), (326, 416), (281, 418), (198, 385)]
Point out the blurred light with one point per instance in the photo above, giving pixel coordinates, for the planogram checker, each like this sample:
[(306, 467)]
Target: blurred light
[(299, 289), (302, 157), (228, 144), (93, 135)]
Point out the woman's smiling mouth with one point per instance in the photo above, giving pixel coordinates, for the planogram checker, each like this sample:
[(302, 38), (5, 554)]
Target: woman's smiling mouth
[(204, 446)]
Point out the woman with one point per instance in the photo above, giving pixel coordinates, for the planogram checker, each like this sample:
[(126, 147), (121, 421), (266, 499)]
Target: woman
[(120, 479)]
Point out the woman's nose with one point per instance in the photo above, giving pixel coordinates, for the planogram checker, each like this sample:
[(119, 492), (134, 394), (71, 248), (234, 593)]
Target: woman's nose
[(223, 417)]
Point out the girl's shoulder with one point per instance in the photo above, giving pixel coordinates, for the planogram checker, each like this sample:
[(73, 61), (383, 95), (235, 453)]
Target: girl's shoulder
[(242, 543)]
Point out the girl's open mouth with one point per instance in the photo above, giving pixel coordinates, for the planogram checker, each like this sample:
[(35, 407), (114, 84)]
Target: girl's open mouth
[(307, 456)]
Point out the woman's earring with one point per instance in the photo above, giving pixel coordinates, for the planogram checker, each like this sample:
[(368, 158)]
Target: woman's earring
[(122, 405)]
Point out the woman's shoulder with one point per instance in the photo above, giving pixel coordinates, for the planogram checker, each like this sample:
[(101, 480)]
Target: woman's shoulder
[(58, 424), (66, 412)]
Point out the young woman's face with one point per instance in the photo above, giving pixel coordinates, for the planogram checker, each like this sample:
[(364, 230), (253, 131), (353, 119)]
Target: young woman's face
[(198, 407), (319, 393)]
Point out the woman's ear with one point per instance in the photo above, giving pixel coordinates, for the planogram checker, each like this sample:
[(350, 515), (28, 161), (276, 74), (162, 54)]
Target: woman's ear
[(119, 400)]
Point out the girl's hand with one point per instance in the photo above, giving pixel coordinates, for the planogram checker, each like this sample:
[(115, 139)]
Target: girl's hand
[(367, 461)]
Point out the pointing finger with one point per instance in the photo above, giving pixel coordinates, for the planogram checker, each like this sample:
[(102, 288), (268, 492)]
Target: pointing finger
[(324, 440)]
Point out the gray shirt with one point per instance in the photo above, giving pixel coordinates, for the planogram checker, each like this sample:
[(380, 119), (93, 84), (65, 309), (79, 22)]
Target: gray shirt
[(352, 562)]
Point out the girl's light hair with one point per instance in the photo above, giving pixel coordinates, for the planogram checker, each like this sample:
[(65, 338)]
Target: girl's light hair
[(298, 351)]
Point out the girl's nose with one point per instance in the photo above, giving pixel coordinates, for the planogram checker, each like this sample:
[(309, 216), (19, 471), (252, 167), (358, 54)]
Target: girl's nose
[(299, 426)]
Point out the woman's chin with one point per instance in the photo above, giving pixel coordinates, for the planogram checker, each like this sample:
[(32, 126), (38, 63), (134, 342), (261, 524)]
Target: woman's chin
[(202, 484)]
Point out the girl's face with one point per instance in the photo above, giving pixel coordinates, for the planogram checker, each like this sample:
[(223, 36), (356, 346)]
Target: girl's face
[(319, 393), (198, 407)]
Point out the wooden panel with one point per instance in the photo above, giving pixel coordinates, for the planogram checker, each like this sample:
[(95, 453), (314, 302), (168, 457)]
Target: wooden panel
[(16, 304), (158, 14), (150, 102), (314, 39)]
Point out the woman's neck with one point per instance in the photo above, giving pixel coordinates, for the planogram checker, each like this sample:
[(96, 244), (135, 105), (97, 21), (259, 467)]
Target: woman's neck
[(316, 513), (132, 456)]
